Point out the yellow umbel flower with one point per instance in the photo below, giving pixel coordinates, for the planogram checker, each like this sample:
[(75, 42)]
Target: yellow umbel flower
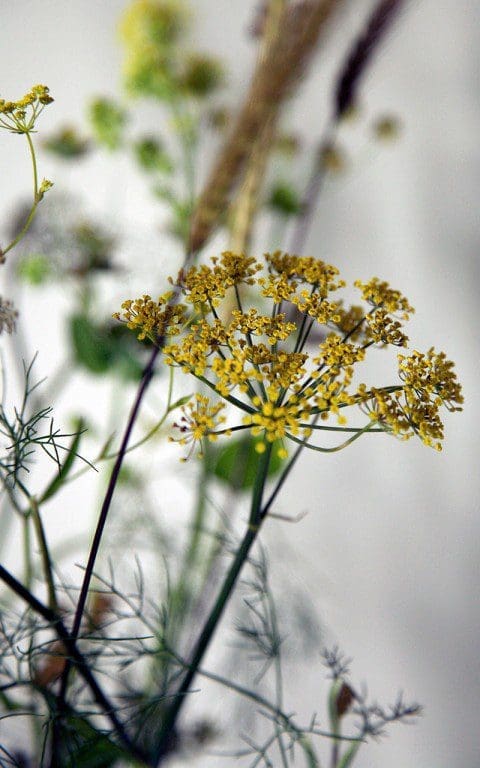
[(263, 364), (379, 294), (431, 376), (200, 420), (20, 116), (384, 329), (277, 421), (153, 319)]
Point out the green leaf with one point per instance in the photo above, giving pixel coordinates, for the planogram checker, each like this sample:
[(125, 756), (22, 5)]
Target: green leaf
[(82, 746), (128, 353), (101, 348), (181, 401), (236, 463), (67, 144), (309, 753), (285, 200), (58, 480), (35, 269), (91, 346), (151, 156), (108, 120)]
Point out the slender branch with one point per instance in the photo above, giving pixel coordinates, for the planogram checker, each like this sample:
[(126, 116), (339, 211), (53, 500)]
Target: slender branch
[(36, 200), (147, 376), (217, 611), (44, 552), (247, 693)]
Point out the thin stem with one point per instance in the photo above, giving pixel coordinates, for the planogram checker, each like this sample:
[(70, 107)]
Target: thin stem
[(182, 595), (44, 553), (27, 551), (33, 209), (278, 676), (218, 608), (147, 376), (366, 428), (34, 165), (281, 481)]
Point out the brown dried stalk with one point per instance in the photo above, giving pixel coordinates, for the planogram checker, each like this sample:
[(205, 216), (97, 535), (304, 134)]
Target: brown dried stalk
[(245, 202), (298, 32)]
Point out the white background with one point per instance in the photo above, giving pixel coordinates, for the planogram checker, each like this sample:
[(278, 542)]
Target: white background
[(390, 543)]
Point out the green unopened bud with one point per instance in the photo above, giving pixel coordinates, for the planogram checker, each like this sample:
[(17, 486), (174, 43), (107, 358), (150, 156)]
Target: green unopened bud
[(43, 188)]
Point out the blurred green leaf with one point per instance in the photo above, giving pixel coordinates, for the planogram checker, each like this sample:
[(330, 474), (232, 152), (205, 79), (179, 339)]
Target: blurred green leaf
[(82, 746), (95, 245), (201, 75), (66, 143), (128, 352), (284, 199), (90, 345), (236, 463), (108, 120), (100, 348), (35, 269), (151, 156)]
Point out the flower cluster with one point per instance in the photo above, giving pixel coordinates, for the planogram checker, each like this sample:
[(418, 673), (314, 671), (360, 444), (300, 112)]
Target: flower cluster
[(20, 116), (156, 64), (429, 382), (200, 419), (153, 319), (263, 364)]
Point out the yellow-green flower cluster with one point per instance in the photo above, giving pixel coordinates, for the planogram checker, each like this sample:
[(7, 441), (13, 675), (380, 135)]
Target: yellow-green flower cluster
[(153, 319), (261, 362), (155, 64), (200, 419), (20, 116)]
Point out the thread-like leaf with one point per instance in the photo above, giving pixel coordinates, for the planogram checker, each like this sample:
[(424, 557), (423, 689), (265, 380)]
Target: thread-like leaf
[(65, 468)]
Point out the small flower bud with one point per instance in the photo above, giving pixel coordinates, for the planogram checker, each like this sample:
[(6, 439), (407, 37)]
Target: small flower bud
[(43, 188)]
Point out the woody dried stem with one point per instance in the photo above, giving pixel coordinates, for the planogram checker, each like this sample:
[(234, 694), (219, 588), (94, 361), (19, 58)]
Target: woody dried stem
[(299, 29)]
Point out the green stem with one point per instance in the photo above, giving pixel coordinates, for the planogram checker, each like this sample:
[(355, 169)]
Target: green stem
[(183, 593), (44, 553), (27, 554), (336, 448), (216, 613), (33, 209), (278, 676), (34, 165)]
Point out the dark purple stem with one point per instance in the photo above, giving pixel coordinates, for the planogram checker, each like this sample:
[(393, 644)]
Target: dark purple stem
[(146, 378)]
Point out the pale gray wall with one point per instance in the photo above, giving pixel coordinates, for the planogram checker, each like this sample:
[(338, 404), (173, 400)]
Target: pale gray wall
[(391, 538)]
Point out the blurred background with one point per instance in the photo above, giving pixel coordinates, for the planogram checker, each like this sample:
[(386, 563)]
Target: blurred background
[(388, 552)]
